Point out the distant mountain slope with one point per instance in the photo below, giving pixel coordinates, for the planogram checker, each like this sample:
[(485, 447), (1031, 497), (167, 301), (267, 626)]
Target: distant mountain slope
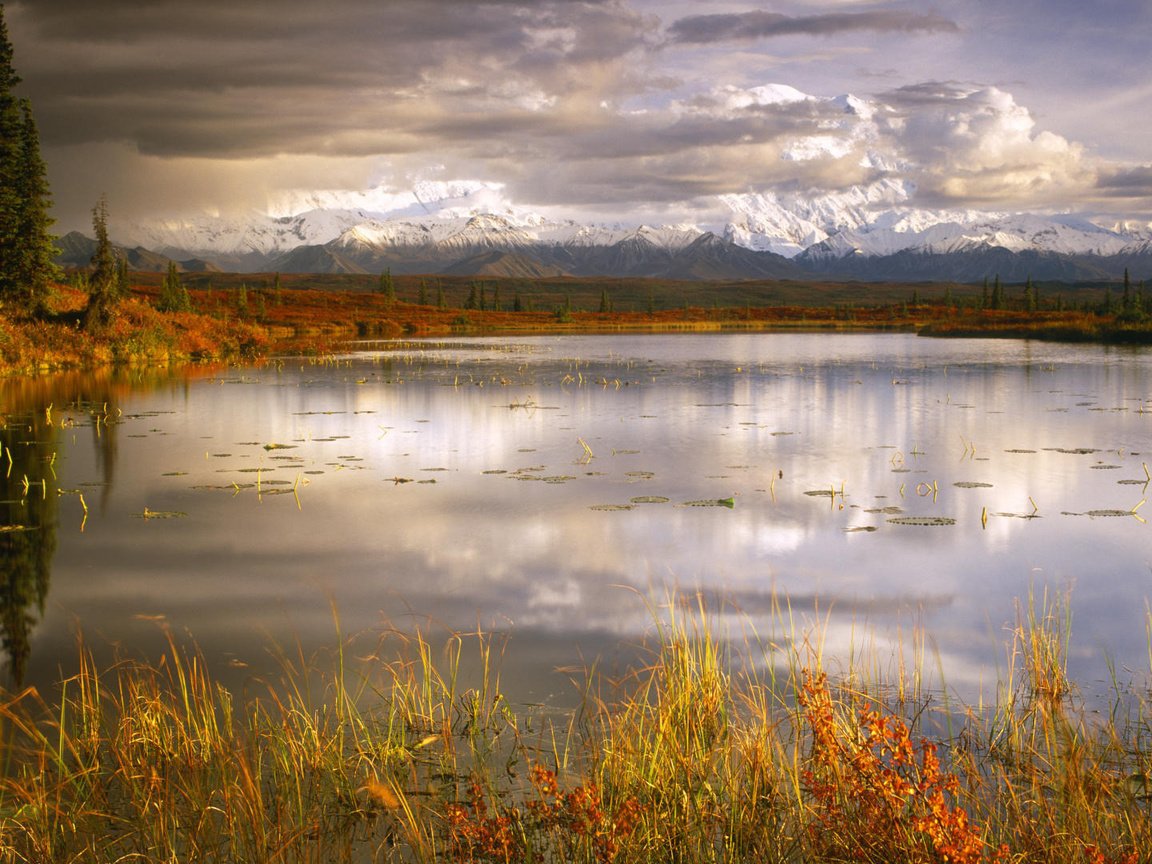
[(76, 250), (508, 265), (973, 265), (314, 259)]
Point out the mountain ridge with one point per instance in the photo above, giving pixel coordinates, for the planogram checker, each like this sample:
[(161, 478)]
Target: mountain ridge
[(867, 232)]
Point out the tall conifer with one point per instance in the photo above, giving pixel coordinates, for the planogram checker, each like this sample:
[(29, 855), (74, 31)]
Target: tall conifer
[(26, 246), (103, 282)]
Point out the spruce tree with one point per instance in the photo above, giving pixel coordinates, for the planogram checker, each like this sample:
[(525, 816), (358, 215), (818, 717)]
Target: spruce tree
[(34, 252), (387, 287), (102, 283), (26, 246), (11, 134), (997, 294), (173, 295), (122, 282)]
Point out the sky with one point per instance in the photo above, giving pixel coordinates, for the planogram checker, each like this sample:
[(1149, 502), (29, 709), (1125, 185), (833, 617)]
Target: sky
[(627, 110)]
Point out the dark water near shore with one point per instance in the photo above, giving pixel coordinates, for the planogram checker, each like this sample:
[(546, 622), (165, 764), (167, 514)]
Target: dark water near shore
[(883, 491)]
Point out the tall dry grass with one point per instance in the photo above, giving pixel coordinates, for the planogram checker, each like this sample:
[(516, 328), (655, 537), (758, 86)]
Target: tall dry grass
[(721, 747)]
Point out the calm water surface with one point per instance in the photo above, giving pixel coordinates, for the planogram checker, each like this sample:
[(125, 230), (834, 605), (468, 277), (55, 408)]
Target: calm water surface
[(546, 487)]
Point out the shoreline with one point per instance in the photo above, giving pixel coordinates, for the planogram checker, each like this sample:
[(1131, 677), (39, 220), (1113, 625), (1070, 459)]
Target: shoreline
[(244, 325)]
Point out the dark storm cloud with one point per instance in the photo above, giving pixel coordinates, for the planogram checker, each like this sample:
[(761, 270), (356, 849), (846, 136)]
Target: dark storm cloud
[(1133, 182), (239, 79), (703, 29)]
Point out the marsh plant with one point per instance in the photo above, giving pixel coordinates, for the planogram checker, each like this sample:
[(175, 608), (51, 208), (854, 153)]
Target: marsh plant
[(714, 749)]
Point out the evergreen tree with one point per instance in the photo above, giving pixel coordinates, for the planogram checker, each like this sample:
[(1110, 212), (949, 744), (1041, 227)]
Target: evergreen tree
[(440, 301), (483, 297), (277, 290), (422, 297), (242, 300), (102, 281), (496, 297), (997, 293), (173, 295), (11, 134), (604, 302), (1029, 295), (517, 303), (121, 278), (27, 247), (985, 299), (473, 301), (387, 286), (1126, 300)]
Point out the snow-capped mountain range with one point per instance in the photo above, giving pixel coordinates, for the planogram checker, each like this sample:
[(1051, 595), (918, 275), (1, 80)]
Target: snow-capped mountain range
[(864, 232)]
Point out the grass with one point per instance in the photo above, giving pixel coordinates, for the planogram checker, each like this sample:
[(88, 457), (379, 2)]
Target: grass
[(716, 749)]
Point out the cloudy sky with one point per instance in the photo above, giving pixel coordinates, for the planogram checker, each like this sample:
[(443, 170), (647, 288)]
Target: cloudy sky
[(623, 109)]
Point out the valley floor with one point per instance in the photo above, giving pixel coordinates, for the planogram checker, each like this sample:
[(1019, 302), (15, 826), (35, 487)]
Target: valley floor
[(316, 315)]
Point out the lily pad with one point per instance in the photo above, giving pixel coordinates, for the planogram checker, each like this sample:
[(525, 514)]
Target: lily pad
[(730, 503), (924, 521), (610, 507), (971, 484), (860, 528), (649, 499)]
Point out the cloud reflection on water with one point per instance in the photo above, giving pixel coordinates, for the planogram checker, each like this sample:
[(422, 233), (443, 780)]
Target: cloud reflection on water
[(892, 421)]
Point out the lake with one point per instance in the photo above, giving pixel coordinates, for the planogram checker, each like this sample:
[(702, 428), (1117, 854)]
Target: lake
[(884, 493)]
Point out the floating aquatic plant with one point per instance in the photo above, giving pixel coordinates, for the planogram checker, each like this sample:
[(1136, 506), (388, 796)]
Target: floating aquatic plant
[(730, 503), (922, 520)]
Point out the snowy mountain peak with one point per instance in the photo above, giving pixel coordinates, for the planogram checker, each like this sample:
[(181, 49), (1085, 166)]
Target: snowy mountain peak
[(437, 219)]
